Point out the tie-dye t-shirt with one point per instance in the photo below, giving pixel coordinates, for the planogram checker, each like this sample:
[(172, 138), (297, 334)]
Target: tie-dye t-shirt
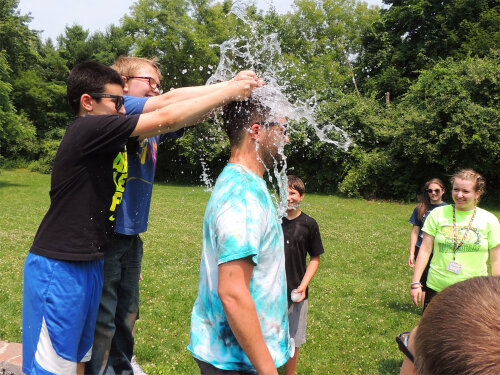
[(240, 221)]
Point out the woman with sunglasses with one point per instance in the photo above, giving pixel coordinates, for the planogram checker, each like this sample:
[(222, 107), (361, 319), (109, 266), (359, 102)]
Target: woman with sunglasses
[(464, 237), (431, 198)]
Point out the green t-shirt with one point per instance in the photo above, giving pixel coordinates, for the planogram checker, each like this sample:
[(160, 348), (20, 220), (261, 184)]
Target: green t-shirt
[(483, 235)]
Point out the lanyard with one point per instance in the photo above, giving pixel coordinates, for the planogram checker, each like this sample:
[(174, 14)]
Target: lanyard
[(455, 232)]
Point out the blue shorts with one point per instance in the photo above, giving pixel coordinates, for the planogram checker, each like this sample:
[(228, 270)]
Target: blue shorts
[(60, 304)]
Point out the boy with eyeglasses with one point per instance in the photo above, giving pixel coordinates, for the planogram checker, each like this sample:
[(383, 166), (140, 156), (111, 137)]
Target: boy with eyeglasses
[(239, 321), (119, 307), (63, 272)]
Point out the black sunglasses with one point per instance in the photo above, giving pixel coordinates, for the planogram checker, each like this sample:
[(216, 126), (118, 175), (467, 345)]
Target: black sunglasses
[(436, 191), (402, 341), (151, 81), (275, 123), (117, 99)]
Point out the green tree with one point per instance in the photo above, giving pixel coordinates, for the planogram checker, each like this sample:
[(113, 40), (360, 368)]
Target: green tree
[(412, 35), (16, 131), (16, 39), (449, 119)]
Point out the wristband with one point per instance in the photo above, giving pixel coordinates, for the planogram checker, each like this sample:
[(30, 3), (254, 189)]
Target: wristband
[(415, 283)]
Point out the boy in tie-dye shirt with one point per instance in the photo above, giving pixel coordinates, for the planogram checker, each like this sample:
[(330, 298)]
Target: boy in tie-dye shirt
[(239, 322)]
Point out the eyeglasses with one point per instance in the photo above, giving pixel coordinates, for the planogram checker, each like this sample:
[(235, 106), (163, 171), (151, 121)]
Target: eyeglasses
[(402, 341), (436, 191), (275, 123), (151, 81), (117, 99)]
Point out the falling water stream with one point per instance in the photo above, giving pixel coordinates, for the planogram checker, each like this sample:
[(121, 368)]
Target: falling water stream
[(262, 54)]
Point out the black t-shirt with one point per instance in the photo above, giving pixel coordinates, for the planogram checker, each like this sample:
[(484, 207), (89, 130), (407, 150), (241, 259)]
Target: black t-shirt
[(87, 183), (301, 238)]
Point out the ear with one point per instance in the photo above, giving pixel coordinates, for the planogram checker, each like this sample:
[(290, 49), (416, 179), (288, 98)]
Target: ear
[(125, 82), (86, 102), (254, 132), (478, 194)]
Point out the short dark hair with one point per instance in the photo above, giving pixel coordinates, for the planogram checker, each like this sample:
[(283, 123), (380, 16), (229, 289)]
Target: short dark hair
[(296, 183), (89, 77), (459, 332), (240, 115)]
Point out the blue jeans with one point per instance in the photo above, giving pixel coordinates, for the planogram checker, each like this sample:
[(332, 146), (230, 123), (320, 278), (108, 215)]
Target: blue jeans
[(119, 308)]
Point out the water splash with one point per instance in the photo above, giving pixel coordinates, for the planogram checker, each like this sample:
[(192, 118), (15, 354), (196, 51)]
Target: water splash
[(261, 52)]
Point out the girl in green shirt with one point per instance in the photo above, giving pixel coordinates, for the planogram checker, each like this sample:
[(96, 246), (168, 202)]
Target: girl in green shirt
[(464, 236)]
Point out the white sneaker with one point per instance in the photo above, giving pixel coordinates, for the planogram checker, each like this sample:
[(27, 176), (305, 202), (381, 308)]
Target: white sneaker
[(136, 367)]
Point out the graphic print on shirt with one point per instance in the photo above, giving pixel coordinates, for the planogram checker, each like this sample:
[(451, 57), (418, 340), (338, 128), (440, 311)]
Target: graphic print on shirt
[(120, 168), (471, 242), (147, 147)]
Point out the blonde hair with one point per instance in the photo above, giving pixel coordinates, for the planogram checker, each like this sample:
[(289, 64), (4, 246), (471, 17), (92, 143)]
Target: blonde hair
[(459, 332), (129, 66), (471, 175)]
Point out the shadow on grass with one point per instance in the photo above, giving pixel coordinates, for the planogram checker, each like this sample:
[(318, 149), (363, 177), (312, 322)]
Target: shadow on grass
[(406, 307), (389, 366), (8, 184)]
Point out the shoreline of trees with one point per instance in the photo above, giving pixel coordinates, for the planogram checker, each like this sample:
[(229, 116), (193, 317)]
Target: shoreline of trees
[(426, 102)]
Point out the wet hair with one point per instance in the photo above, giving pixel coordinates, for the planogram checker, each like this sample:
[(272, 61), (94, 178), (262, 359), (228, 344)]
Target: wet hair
[(296, 183), (130, 66), (459, 332), (425, 202), (239, 116), (471, 175), (89, 77)]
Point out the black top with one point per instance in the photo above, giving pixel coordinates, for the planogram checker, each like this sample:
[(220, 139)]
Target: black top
[(87, 182), (301, 238)]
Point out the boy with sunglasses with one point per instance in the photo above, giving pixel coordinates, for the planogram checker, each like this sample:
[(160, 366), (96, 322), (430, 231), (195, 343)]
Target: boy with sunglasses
[(119, 306), (63, 272)]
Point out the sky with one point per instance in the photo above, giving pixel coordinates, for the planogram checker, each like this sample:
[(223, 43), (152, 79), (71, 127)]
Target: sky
[(52, 16)]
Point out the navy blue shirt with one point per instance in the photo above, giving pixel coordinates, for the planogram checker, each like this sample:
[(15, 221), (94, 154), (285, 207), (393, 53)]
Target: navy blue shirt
[(420, 223)]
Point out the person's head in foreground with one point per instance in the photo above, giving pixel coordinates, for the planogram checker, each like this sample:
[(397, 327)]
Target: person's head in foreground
[(141, 76), (459, 332), (467, 188), (95, 89), (254, 131)]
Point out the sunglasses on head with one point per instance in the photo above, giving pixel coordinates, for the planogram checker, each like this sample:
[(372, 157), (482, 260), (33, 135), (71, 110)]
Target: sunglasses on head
[(402, 340), (117, 99), (430, 191)]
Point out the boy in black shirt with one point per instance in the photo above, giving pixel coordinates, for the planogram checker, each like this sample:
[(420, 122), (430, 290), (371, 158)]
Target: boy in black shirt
[(301, 234), (63, 272)]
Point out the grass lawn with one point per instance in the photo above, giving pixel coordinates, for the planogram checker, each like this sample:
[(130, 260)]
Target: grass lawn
[(359, 298)]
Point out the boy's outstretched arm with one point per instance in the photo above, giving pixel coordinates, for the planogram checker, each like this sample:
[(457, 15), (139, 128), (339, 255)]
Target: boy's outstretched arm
[(184, 93), (311, 269), (189, 112)]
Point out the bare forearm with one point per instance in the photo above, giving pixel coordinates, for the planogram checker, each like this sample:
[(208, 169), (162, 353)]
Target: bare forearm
[(187, 112), (184, 93), (495, 260), (413, 238), (234, 293), (178, 95), (311, 269), (242, 317), (423, 257)]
